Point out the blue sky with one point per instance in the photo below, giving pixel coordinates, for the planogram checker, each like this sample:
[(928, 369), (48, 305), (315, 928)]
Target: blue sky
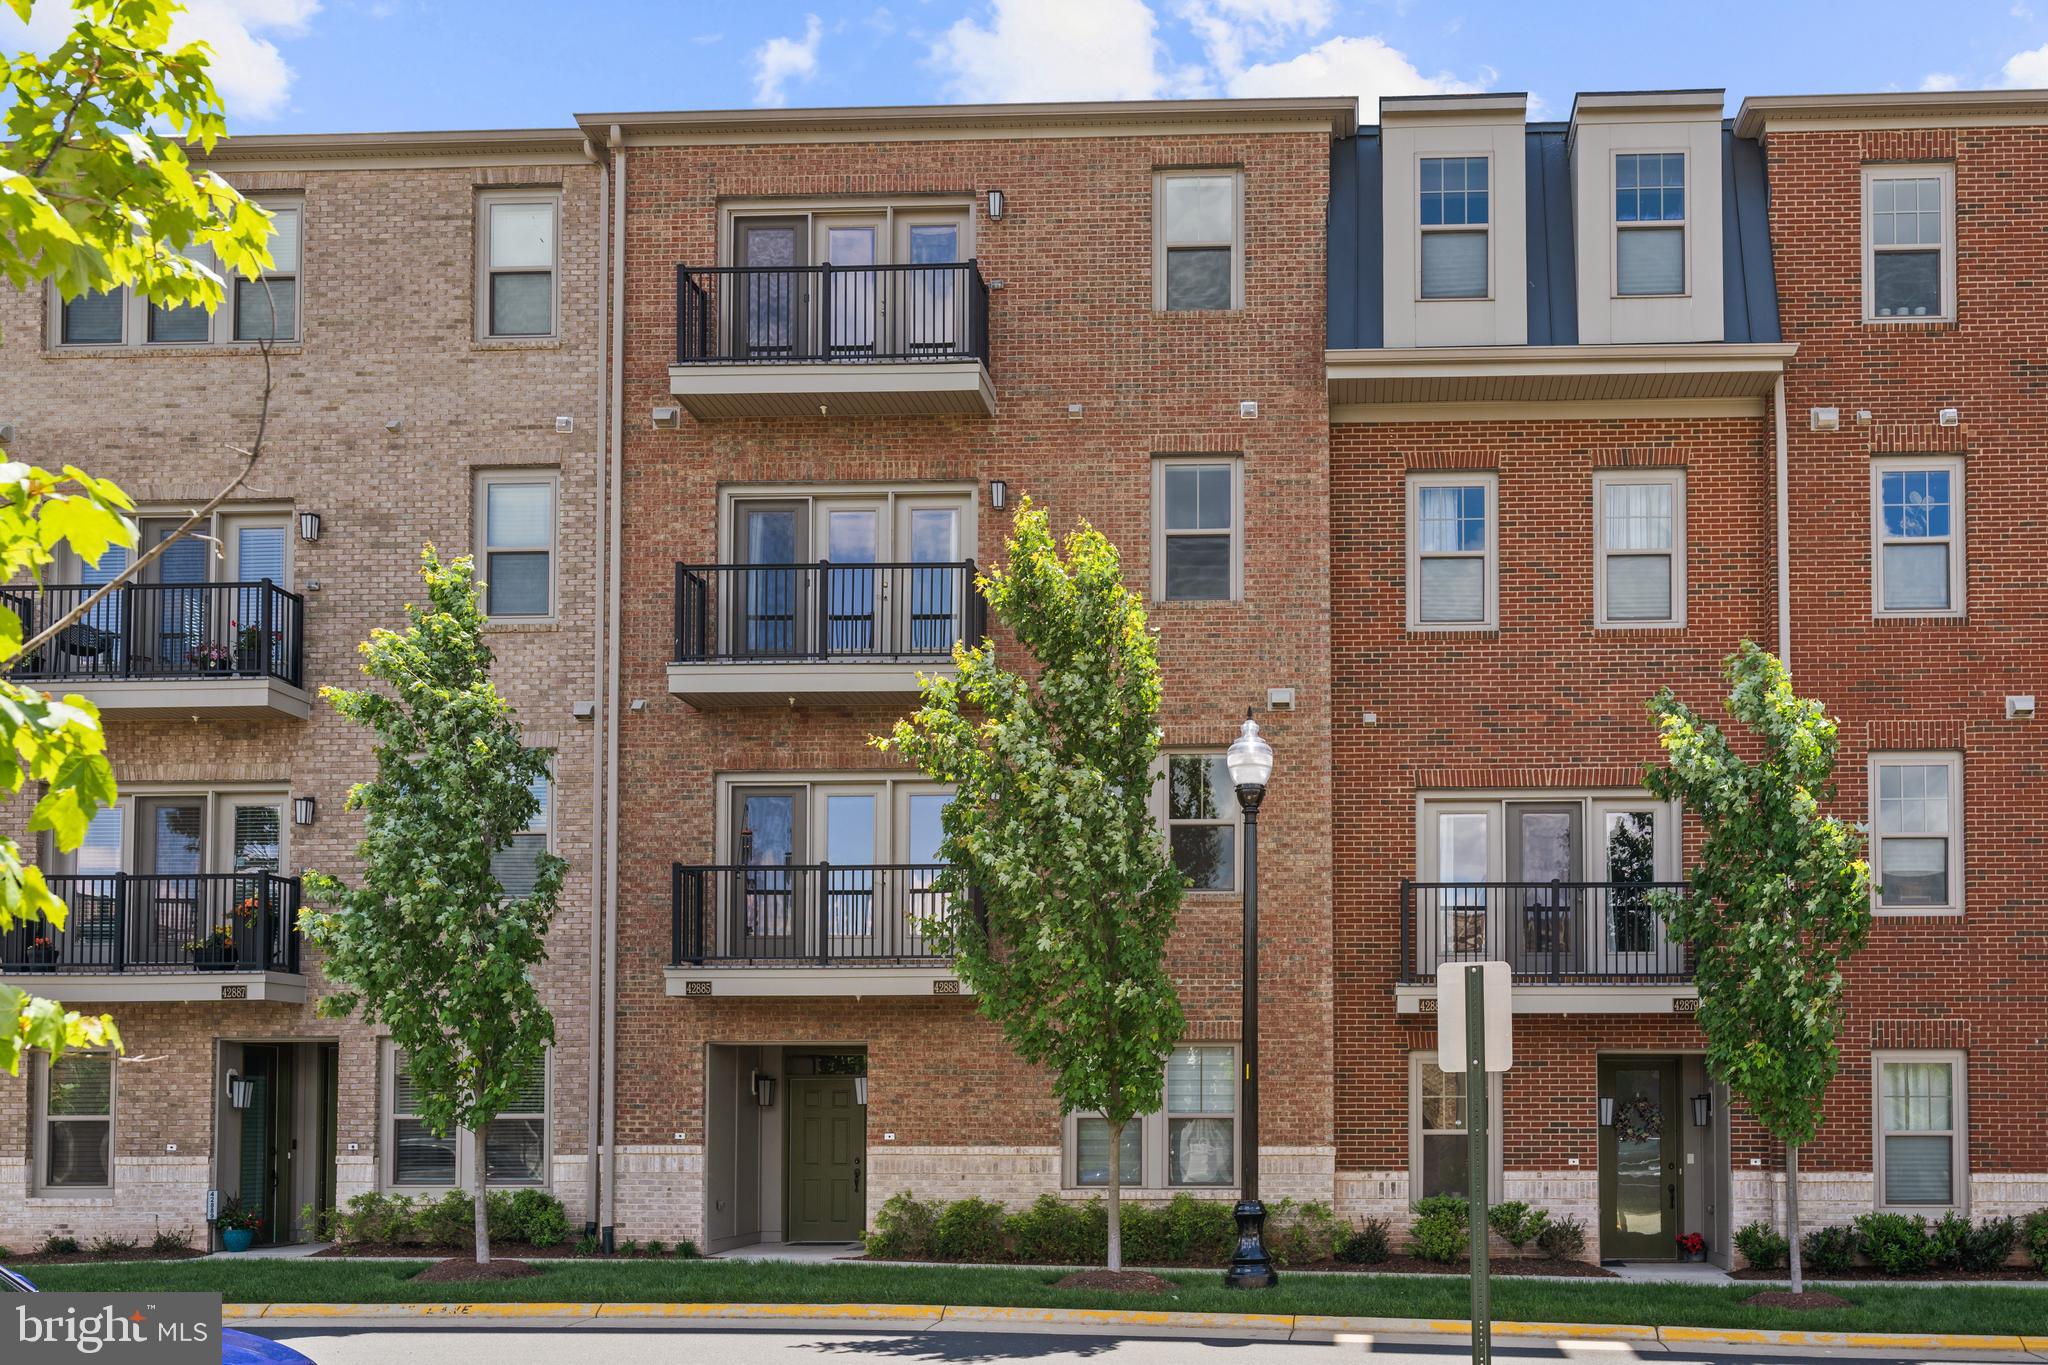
[(360, 65)]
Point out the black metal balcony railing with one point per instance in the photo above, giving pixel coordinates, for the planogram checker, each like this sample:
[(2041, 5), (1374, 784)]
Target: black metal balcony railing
[(818, 914), (766, 315), (213, 922), (1559, 932), (808, 613), (164, 630)]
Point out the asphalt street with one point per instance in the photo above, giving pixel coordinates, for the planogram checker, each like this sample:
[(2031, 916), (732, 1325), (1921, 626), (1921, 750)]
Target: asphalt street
[(574, 1344)]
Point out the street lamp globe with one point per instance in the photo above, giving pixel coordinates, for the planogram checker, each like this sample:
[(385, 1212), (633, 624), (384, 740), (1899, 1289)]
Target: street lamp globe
[(1250, 758)]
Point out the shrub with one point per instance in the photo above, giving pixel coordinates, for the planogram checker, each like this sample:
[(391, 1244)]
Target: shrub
[(587, 1245), (375, 1219), (1762, 1246), (1517, 1223), (114, 1246), (1371, 1244), (1959, 1244), (1198, 1229), (1828, 1251), (1051, 1231), (534, 1217), (1562, 1239), (1895, 1243), (686, 1250), (969, 1230), (449, 1222), (1302, 1234), (656, 1247), (903, 1227), (2034, 1236), (56, 1244), (1438, 1234)]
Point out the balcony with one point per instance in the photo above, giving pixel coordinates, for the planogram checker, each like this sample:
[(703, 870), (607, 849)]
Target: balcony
[(810, 930), (171, 648), (832, 341), (774, 634), (1573, 947), (211, 936)]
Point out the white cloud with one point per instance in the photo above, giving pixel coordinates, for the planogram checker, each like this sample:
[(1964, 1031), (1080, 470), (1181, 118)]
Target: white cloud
[(1941, 80), (2027, 70), (1365, 67), (252, 75), (1229, 29), (782, 60), (1053, 50)]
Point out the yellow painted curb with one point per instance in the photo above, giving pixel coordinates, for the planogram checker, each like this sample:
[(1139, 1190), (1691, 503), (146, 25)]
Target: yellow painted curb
[(1738, 1336), (1573, 1331), (860, 1312), (2037, 1345), (1125, 1317), (428, 1310)]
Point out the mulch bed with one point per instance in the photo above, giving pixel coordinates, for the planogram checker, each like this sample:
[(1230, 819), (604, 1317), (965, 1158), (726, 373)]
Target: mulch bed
[(460, 1271), (1393, 1265), (1872, 1273), (88, 1258), (1117, 1282), (1812, 1298), (515, 1250)]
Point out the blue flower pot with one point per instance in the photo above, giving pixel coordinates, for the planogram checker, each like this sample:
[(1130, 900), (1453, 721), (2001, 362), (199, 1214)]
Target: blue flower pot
[(238, 1239)]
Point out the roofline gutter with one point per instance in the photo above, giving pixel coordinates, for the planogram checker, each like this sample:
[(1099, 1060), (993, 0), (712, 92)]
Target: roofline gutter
[(1340, 113), (1912, 108)]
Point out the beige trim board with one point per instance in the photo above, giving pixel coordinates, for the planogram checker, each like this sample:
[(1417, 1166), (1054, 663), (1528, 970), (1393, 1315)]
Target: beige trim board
[(830, 389), (1760, 114), (802, 982), (719, 686), (1559, 411), (1332, 116), (392, 151), (1633, 372), (1588, 999), (198, 696), (180, 987)]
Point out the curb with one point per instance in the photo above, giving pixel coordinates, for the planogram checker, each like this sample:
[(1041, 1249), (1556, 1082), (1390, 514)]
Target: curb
[(1266, 1325)]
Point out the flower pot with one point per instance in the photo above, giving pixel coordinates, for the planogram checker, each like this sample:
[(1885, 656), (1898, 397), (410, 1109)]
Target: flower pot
[(40, 960), (1699, 1255), (214, 956), (238, 1239)]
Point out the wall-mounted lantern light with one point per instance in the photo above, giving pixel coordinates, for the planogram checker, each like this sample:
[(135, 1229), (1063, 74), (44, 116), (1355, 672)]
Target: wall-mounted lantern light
[(860, 1090), (995, 205), (998, 493), (241, 1092), (1607, 1111), (1702, 1110), (303, 810), (309, 526), (764, 1091)]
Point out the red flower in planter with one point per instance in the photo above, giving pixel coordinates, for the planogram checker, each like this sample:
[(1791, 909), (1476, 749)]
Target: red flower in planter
[(1692, 1244)]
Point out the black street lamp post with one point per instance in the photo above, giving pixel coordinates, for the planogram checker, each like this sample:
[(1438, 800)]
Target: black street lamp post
[(1251, 763)]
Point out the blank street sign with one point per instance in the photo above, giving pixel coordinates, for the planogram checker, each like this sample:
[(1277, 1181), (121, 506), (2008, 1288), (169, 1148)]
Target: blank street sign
[(1451, 980)]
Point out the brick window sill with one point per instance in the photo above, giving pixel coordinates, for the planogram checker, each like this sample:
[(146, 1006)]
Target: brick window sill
[(240, 348), (522, 627), (507, 344)]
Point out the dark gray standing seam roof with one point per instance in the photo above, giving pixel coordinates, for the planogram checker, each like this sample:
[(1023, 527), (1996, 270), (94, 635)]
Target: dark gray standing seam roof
[(1357, 318)]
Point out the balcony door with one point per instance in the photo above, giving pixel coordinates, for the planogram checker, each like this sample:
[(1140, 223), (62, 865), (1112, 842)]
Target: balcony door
[(851, 308), (251, 834), (931, 318), (169, 898), (920, 829), (255, 549), (1633, 844), (928, 533), (173, 620), (850, 532), (767, 909), (850, 820), (769, 308), (1543, 847), (768, 614)]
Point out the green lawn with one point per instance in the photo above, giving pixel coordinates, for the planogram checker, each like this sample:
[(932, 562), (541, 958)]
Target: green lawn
[(1878, 1308)]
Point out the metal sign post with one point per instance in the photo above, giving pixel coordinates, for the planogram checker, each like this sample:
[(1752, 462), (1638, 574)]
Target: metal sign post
[(1475, 1034), (1476, 1152)]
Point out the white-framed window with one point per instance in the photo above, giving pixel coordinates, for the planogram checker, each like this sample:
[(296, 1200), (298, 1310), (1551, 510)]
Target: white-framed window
[(1917, 826), (1454, 215), (515, 1147), (1191, 1143), (1197, 235), (515, 511), (1649, 224), (1439, 1156), (1639, 547), (1916, 530), (1920, 1154), (1203, 823), (1909, 236), (75, 1124), (1197, 508), (1453, 540), (517, 292), (517, 865), (267, 308)]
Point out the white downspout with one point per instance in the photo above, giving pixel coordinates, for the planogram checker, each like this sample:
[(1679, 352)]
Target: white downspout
[(1784, 516), (594, 1082), (611, 706)]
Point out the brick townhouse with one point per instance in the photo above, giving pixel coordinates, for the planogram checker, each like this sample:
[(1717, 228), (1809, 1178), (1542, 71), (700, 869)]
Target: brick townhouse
[(854, 341), (1598, 390), (1441, 445), (436, 314)]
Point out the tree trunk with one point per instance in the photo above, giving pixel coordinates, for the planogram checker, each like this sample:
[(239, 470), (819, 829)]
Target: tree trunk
[(483, 1222), (1792, 1218), (1116, 1189)]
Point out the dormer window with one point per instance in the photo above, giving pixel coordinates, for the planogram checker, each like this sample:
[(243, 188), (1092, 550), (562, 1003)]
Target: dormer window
[(1453, 214), (1649, 223)]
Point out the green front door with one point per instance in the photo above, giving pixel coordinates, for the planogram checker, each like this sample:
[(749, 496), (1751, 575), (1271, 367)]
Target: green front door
[(828, 1140), (1642, 1183)]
